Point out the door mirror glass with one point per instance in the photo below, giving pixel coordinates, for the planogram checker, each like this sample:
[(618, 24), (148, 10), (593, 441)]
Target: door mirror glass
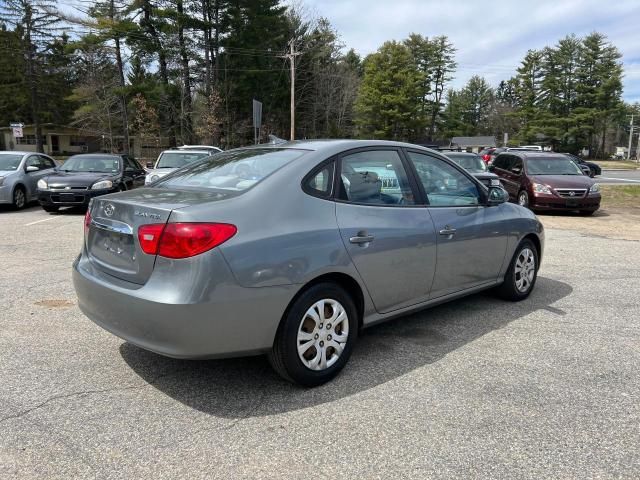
[(32, 168), (516, 170), (491, 168), (497, 195)]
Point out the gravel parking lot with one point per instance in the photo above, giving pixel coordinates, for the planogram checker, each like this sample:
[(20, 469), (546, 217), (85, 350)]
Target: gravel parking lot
[(545, 388)]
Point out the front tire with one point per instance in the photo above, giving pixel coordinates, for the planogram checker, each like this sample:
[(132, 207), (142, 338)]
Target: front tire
[(316, 336), (522, 273), (19, 198), (587, 213), (523, 199)]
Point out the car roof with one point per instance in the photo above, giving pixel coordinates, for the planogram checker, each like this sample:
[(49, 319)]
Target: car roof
[(533, 154), (334, 146), (468, 154), (118, 155), (17, 152), (185, 150)]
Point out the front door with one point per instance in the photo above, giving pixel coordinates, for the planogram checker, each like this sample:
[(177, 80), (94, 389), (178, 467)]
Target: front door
[(471, 237), (45, 166), (389, 238)]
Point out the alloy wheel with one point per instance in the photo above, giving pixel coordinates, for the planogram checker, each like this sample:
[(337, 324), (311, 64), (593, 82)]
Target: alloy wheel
[(322, 334), (523, 199), (19, 198), (525, 270)]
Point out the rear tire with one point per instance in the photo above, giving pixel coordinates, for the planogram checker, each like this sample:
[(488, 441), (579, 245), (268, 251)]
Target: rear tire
[(19, 198), (523, 199), (316, 336), (522, 273), (50, 209)]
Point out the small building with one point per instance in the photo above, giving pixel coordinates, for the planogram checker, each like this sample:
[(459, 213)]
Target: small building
[(60, 140), (473, 144)]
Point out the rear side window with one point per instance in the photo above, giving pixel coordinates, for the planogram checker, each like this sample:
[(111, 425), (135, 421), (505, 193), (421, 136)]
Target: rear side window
[(502, 162), (235, 171), (375, 177)]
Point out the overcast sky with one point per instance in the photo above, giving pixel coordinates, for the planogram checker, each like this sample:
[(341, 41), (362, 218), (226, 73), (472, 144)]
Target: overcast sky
[(491, 36)]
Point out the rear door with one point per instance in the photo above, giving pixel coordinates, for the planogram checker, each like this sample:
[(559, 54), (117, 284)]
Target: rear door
[(389, 237), (502, 167), (471, 237)]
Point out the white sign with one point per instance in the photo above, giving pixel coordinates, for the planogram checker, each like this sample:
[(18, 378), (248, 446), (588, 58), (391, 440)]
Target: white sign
[(17, 129)]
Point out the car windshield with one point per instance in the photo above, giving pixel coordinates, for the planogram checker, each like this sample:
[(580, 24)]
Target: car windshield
[(10, 162), (552, 166), (231, 171), (471, 163), (179, 159), (92, 163)]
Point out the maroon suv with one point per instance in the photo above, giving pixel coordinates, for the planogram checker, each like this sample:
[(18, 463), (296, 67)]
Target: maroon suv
[(546, 181)]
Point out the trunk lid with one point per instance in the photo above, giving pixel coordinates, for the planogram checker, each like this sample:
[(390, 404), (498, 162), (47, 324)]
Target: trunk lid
[(112, 239)]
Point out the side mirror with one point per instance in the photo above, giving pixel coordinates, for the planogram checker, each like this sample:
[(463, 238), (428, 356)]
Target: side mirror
[(491, 168), (497, 195), (516, 170), (32, 168)]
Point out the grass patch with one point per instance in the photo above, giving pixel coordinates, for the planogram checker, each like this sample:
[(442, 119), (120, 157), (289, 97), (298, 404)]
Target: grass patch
[(620, 195), (617, 164)]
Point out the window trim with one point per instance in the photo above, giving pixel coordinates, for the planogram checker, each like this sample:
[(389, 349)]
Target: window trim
[(403, 161), (482, 191), (314, 171)]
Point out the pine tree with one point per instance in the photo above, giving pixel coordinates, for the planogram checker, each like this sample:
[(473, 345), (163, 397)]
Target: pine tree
[(36, 21)]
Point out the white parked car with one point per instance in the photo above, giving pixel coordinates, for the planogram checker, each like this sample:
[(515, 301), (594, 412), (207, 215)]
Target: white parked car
[(208, 148), (170, 160)]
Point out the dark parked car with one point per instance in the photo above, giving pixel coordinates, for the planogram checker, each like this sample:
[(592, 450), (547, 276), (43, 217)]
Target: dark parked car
[(489, 154), (290, 249), (85, 176), (474, 164), (593, 168), (546, 181)]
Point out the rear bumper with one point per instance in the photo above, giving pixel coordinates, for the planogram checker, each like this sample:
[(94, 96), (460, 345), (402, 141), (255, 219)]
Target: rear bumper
[(549, 202), (69, 198), (223, 321)]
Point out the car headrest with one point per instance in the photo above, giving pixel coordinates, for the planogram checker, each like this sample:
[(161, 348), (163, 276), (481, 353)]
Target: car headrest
[(363, 186)]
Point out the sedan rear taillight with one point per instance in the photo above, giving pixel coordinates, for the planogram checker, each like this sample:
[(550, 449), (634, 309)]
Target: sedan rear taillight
[(183, 240), (486, 158), (87, 220)]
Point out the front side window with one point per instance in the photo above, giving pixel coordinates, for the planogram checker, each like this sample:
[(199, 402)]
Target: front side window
[(444, 185), (374, 177), (502, 162), (233, 171), (46, 162)]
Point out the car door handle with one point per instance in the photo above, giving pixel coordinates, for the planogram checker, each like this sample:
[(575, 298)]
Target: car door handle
[(361, 238), (447, 230)]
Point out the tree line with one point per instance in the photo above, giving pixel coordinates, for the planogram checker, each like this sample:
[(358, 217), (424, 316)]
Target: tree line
[(177, 72)]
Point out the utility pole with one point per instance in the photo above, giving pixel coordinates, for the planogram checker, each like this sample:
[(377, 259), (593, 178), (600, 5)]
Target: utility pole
[(292, 63), (630, 138)]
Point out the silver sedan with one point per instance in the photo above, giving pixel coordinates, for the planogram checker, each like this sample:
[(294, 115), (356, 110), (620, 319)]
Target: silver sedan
[(292, 249), (19, 175)]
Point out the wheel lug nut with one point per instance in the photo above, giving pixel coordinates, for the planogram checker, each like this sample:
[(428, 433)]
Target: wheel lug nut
[(316, 336), (329, 337), (322, 344), (328, 326), (321, 325)]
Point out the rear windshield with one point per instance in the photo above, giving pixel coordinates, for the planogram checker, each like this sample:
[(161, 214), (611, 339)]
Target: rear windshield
[(10, 162), (179, 159), (471, 163), (552, 166), (236, 170), (93, 163)]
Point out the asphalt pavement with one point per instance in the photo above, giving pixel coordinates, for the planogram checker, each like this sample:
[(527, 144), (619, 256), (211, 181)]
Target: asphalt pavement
[(480, 388), (623, 177)]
